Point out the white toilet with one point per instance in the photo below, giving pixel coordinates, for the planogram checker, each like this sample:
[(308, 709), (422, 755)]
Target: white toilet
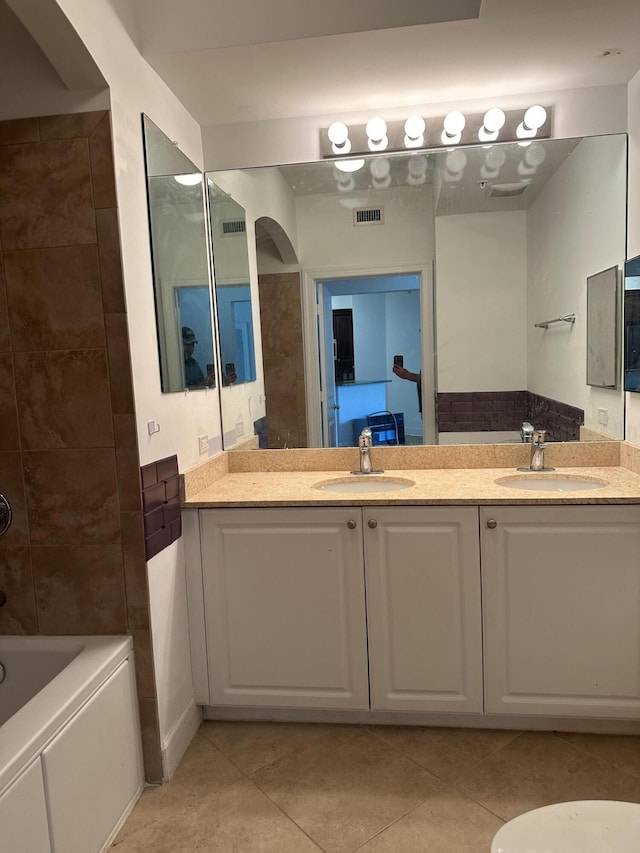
[(584, 826)]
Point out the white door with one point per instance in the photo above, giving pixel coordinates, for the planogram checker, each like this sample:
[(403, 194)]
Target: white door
[(561, 599), (285, 607), (424, 608)]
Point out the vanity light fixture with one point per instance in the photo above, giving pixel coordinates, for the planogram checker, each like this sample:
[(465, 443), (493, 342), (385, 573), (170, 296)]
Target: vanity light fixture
[(415, 132), (533, 120), (414, 128), (452, 128), (338, 134), (492, 123), (189, 180), (376, 131)]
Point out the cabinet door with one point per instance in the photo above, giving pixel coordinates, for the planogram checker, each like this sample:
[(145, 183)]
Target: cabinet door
[(285, 607), (23, 814), (561, 597), (424, 608)]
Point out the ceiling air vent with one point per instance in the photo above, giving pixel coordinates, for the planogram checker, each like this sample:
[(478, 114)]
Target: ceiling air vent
[(368, 216), (234, 226), (507, 190)]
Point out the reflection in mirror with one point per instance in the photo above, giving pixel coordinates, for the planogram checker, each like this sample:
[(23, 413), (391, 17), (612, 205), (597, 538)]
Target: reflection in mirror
[(632, 325), (602, 329), (175, 193), (233, 290), (509, 234)]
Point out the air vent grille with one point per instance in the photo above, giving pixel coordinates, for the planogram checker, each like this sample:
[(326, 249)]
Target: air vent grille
[(368, 216), (507, 190), (234, 226)]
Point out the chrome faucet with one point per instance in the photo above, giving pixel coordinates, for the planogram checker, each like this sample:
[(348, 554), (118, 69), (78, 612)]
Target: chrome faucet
[(364, 443), (538, 444), (526, 432)]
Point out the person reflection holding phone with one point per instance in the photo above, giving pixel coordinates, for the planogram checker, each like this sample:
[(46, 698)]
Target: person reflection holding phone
[(193, 375), (403, 373)]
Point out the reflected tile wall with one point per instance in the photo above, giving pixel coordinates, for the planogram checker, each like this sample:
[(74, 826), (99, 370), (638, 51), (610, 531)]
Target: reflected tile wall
[(73, 560)]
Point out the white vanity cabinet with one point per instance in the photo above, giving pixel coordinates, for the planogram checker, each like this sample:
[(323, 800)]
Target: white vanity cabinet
[(424, 608), (284, 607), (561, 607)]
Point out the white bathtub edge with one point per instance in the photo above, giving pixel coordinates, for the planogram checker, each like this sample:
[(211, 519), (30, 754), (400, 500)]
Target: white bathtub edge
[(25, 734), (178, 739)]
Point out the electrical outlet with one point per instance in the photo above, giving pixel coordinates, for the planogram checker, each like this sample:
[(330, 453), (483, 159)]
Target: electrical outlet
[(603, 417), (203, 444)]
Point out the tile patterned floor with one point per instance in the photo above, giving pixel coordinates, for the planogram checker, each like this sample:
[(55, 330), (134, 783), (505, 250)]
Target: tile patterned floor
[(300, 788)]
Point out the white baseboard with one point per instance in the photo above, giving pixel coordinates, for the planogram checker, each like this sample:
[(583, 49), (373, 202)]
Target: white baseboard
[(181, 734)]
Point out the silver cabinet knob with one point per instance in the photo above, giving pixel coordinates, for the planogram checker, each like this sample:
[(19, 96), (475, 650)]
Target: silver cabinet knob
[(492, 524), (372, 523), (5, 515), (352, 524)]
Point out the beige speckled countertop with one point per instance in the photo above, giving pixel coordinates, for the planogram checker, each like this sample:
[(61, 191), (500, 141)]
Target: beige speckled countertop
[(289, 478)]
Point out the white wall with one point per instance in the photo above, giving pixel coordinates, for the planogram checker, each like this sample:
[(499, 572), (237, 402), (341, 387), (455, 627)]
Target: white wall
[(481, 305), (575, 228), (632, 432)]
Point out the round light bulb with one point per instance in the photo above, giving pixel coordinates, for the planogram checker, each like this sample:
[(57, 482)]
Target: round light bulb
[(535, 117), (535, 155), (495, 158), (189, 180), (456, 161), (376, 129), (494, 119), (418, 166), (349, 165), (338, 133), (414, 127), (454, 123), (380, 168)]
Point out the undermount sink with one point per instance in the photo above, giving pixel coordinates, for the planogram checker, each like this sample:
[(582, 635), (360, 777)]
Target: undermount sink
[(365, 483), (540, 482)]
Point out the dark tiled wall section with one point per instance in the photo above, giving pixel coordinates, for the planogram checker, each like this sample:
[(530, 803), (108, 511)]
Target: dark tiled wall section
[(161, 504), (506, 410), (73, 561)]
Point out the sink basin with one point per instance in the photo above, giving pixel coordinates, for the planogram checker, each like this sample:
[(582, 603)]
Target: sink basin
[(538, 482), (365, 484)]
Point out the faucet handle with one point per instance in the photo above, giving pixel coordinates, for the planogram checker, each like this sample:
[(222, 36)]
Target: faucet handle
[(539, 436), (365, 437)]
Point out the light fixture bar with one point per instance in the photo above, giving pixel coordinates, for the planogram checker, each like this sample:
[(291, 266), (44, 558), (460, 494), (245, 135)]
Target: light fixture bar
[(434, 135)]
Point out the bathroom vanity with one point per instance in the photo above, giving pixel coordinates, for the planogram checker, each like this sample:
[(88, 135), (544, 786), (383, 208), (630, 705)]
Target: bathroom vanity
[(455, 596)]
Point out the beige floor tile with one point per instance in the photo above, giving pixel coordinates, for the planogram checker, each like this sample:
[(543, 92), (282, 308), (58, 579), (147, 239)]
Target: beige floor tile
[(251, 746), (345, 787), (448, 822), (623, 751), (537, 769), (209, 806), (445, 752)]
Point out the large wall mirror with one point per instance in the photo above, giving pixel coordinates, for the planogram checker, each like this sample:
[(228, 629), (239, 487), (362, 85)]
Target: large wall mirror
[(233, 288), (181, 278), (632, 324), (471, 264)]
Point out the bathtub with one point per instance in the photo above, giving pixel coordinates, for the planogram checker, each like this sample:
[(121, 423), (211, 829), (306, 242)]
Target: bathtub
[(70, 750)]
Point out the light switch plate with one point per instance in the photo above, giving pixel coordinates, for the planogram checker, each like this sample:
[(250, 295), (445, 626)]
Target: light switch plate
[(203, 444)]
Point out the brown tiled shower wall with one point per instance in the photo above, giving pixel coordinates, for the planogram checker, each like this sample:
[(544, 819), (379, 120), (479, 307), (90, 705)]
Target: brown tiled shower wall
[(484, 411), (73, 561)]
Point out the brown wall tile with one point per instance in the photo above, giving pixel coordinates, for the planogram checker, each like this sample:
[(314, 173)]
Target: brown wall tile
[(63, 399), (54, 298), (135, 566), (18, 616), (19, 130), (151, 746), (70, 126), (127, 462), (79, 589), (72, 497), (102, 172), (9, 437), (36, 211), (119, 364), (5, 337), (143, 651), (12, 487), (110, 261)]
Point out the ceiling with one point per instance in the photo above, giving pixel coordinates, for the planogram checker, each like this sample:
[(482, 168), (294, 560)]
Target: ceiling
[(244, 60)]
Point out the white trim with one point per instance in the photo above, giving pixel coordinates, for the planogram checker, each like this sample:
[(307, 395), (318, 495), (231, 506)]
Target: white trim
[(423, 268), (181, 734)]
